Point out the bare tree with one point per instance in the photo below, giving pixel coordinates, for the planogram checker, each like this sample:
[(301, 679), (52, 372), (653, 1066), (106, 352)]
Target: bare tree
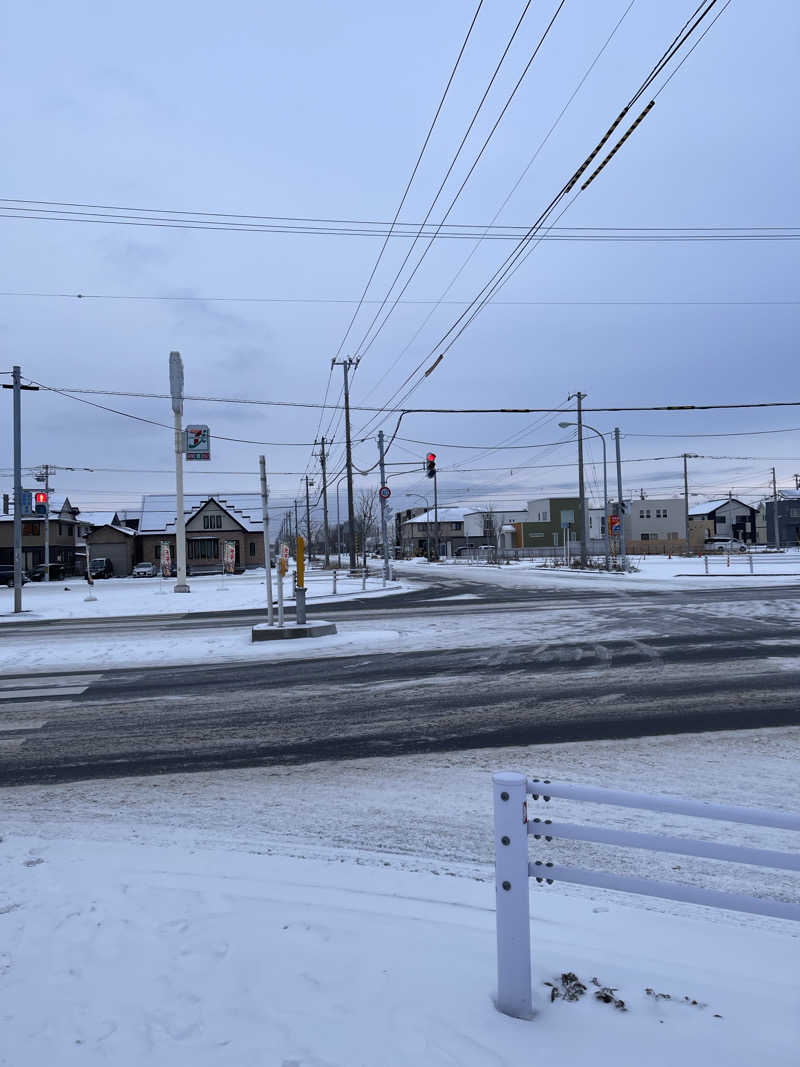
[(366, 513)]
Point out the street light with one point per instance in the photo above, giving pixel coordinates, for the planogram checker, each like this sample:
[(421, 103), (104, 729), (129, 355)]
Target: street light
[(419, 496), (563, 426)]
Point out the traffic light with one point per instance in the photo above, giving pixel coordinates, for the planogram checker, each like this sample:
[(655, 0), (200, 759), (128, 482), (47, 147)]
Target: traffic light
[(40, 502), (430, 464)]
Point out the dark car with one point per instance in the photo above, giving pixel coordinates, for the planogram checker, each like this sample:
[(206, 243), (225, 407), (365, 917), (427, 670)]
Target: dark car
[(101, 567), (7, 575), (57, 572)]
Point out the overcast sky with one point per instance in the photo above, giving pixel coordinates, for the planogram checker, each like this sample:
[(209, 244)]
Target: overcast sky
[(319, 110)]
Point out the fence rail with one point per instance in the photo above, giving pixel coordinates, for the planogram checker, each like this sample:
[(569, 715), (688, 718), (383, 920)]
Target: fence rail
[(513, 868)]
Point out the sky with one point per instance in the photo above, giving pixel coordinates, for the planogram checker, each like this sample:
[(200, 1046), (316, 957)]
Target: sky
[(320, 111)]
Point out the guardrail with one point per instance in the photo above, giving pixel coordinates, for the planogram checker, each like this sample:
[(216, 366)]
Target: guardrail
[(513, 867)]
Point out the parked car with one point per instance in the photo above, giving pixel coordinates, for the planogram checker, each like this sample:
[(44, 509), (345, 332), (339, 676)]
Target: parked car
[(7, 575), (57, 572), (102, 567), (145, 570), (724, 544)]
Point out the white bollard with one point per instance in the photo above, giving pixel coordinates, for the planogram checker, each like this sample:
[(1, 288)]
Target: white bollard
[(750, 560), (705, 560), (364, 580), (513, 914)]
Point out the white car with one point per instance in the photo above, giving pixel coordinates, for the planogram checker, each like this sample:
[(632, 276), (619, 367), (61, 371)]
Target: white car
[(145, 570), (724, 544)]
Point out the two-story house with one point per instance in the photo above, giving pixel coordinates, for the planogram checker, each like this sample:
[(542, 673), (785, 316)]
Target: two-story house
[(209, 522)]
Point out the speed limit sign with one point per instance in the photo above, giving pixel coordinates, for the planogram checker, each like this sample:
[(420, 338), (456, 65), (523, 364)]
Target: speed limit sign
[(384, 492)]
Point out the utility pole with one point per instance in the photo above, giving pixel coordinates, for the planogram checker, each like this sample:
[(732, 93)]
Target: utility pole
[(775, 524), (620, 501), (323, 461), (796, 481), (687, 456), (383, 510), (296, 530), (262, 465), (436, 511), (347, 364), (580, 397), (308, 521), (176, 391), (17, 490)]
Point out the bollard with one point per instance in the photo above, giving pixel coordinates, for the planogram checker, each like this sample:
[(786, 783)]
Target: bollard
[(334, 582), (294, 583), (300, 605), (705, 560), (364, 580), (750, 561)]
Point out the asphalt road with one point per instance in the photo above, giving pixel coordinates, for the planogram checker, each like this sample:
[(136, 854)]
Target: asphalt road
[(708, 673)]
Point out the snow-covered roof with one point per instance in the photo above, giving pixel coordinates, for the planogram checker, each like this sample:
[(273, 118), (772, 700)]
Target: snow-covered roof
[(789, 494), (97, 518), (159, 510), (712, 505), (114, 526), (445, 515)]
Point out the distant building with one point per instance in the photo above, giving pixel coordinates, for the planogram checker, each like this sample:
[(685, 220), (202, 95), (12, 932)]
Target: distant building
[(546, 520), (655, 526), (788, 518), (63, 536), (729, 517), (210, 521), (460, 529)]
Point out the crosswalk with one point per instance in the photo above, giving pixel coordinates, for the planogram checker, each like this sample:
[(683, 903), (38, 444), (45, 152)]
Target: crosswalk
[(45, 686)]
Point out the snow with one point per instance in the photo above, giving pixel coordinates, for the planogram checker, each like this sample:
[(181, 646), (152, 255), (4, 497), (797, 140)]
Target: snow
[(154, 596), (342, 914), (653, 572)]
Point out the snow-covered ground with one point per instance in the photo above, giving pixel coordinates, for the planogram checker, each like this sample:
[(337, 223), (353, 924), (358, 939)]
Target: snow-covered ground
[(654, 572), (154, 596), (342, 914), (412, 631)]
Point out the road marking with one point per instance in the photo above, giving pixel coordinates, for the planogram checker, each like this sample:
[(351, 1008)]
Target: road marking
[(45, 685)]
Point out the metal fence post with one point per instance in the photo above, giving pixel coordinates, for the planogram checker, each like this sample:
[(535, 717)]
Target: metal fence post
[(705, 560), (512, 896), (364, 580), (750, 560), (334, 581)]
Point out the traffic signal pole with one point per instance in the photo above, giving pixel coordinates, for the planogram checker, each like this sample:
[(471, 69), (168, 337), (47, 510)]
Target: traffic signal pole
[(346, 364), (383, 510), (176, 393), (621, 502)]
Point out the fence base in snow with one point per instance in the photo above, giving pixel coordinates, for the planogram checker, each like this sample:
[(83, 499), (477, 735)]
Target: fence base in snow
[(513, 867)]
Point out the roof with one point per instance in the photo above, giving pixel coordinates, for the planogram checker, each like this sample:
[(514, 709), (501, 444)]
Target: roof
[(159, 510), (445, 515), (712, 505), (113, 526), (97, 518)]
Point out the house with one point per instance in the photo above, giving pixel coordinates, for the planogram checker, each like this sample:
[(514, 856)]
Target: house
[(728, 517), (112, 540), (458, 528), (788, 518), (63, 536), (652, 526), (210, 521), (546, 520)]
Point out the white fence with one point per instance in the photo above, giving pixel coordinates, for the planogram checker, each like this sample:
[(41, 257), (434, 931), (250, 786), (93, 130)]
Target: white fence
[(513, 867)]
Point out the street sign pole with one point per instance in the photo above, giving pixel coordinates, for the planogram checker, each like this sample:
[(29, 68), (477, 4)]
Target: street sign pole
[(176, 391), (17, 491), (265, 512)]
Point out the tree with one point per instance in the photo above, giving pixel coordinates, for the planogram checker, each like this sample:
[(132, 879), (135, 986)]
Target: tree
[(366, 514)]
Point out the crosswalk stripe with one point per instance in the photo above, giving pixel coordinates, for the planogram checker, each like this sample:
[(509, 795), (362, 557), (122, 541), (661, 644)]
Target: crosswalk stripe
[(60, 691), (38, 681)]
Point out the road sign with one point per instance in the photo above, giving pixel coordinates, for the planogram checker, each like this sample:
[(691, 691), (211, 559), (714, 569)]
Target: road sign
[(27, 502), (284, 553), (567, 518), (197, 443), (384, 492), (613, 524)]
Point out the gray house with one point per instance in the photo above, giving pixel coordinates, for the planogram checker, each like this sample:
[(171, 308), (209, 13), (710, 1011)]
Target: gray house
[(788, 518)]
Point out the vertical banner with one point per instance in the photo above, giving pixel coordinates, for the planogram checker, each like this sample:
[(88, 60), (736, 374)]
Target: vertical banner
[(229, 557), (166, 559)]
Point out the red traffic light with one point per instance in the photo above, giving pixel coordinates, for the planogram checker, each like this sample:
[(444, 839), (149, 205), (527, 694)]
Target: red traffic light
[(40, 498), (431, 457)]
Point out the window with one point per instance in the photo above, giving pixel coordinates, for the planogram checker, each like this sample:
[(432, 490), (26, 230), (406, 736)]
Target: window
[(252, 548), (212, 522), (673, 536), (203, 547), (641, 513), (457, 525), (721, 520), (661, 513), (645, 537), (741, 518), (30, 529)]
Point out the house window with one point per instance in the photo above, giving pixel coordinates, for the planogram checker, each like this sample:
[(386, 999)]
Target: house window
[(59, 529), (252, 548), (641, 513), (645, 537), (212, 522), (30, 529), (203, 547), (456, 525), (741, 518), (721, 520), (661, 513)]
